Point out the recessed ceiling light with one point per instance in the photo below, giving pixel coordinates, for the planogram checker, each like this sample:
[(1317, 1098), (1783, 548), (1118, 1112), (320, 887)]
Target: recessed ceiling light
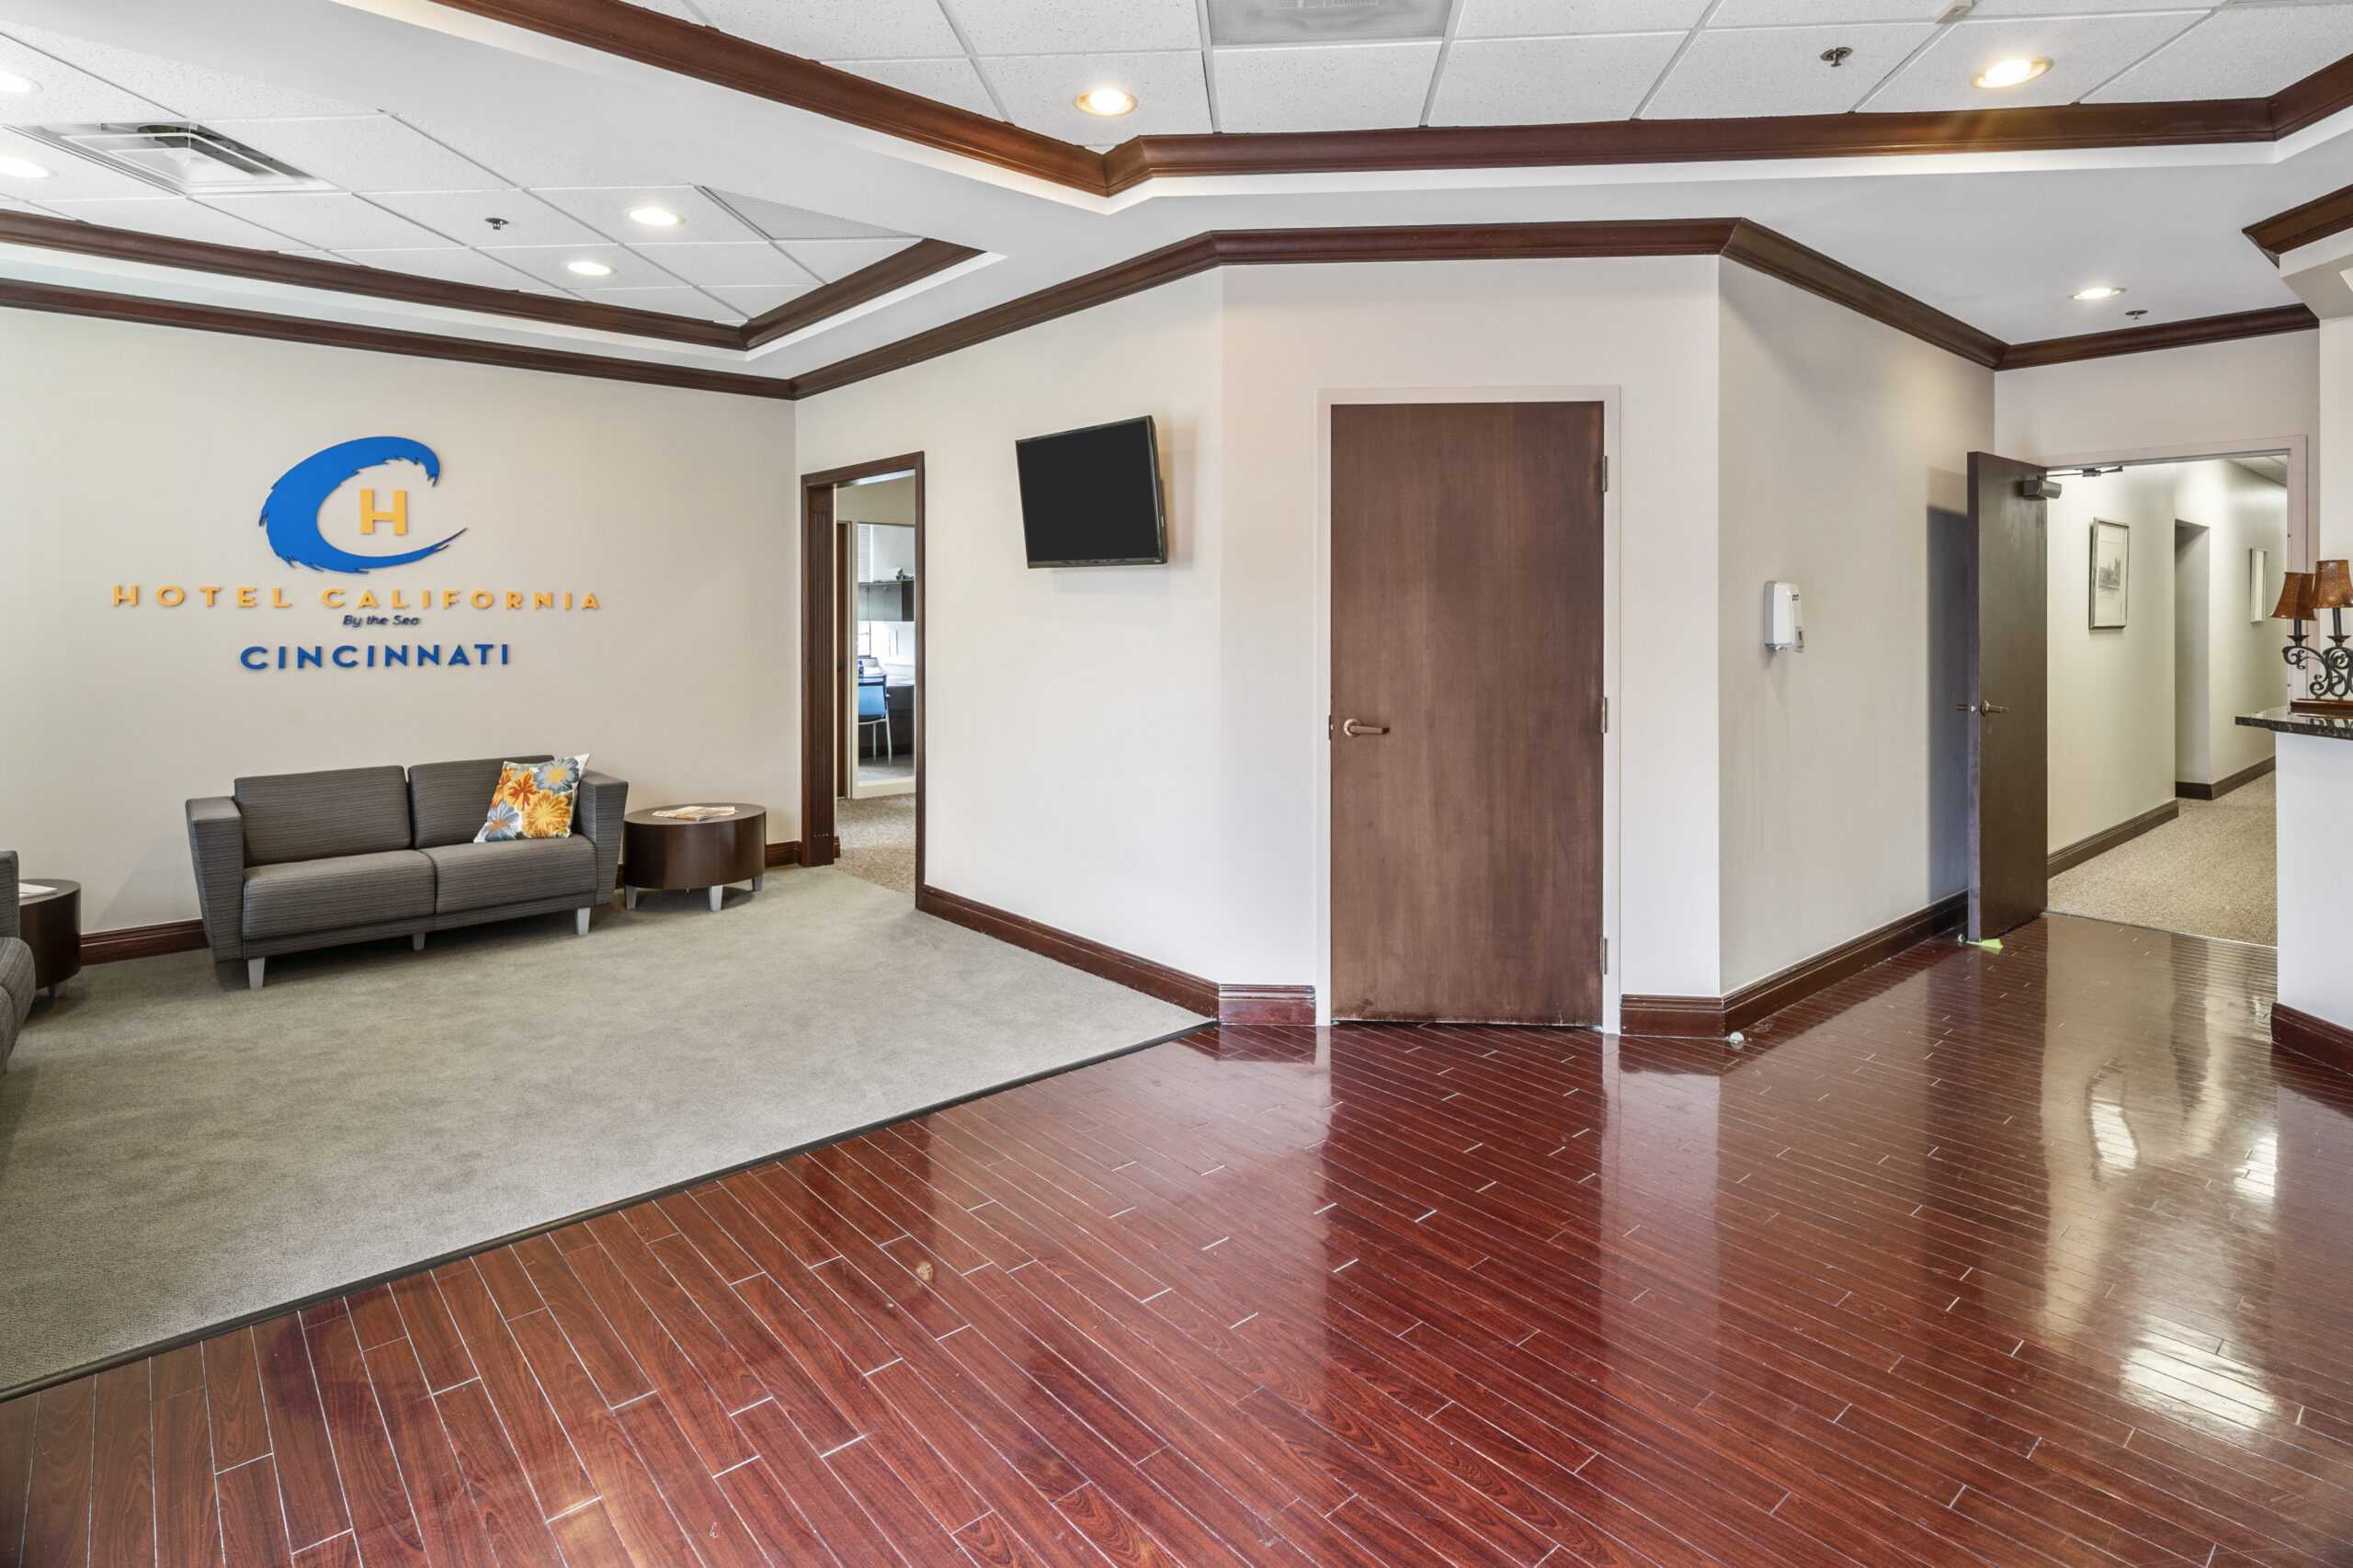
[(19, 168), (1107, 101), (2098, 291), (12, 83), (589, 268), (655, 217), (2011, 72)]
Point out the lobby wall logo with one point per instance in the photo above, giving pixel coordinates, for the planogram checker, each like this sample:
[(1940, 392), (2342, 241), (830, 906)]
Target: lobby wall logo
[(290, 515)]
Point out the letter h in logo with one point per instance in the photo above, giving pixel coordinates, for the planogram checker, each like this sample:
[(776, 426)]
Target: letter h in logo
[(369, 516)]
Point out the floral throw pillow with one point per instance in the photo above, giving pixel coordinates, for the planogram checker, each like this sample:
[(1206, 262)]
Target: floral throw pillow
[(534, 800)]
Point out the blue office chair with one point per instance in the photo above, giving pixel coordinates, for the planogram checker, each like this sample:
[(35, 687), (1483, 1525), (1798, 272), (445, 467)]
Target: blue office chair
[(873, 709)]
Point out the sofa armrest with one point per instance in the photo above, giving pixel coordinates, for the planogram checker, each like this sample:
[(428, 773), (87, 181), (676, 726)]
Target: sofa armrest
[(597, 812), (7, 893), (216, 840)]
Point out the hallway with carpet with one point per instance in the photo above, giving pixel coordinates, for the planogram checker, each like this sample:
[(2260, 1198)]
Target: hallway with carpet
[(2209, 872)]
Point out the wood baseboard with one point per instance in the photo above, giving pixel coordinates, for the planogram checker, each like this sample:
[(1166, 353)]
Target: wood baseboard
[(785, 854), (142, 941), (2188, 789), (2100, 843), (2312, 1037), (1713, 1018), (1261, 1004)]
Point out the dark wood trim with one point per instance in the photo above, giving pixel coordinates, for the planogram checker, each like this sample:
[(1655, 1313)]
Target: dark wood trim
[(2163, 334), (912, 265), (1776, 255), (142, 941), (1170, 985), (2190, 789), (2107, 838), (1713, 1018), (377, 339), (2316, 220), (2304, 1034), (2302, 104), (1273, 1005), (785, 854)]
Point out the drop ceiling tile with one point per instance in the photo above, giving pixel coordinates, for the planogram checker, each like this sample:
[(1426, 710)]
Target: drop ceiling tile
[(189, 92), (1078, 27), (71, 178), (674, 300), (328, 220), (555, 159), (1354, 87), (742, 263), (375, 154), (1742, 71), (1240, 22), (1546, 18), (779, 222), (844, 29), (178, 217), (831, 260), (451, 263), (465, 216), (1172, 100), (60, 94), (1815, 13), (2088, 7), (952, 82), (548, 264), (606, 210), (2240, 51), (758, 302), (682, 9), (1549, 81), (2084, 52)]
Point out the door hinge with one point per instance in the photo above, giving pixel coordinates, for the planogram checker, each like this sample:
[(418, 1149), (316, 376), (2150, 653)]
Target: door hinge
[(1605, 715), (1605, 473), (1605, 955)]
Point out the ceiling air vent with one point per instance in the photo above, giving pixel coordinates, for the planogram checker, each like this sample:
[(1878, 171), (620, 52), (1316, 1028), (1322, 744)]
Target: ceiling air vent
[(1324, 21), (176, 155)]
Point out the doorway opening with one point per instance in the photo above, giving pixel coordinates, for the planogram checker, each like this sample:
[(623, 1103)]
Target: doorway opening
[(862, 727), (2163, 576)]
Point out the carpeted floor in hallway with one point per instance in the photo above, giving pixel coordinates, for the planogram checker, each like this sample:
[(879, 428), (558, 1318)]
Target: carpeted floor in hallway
[(2209, 872), (877, 836)]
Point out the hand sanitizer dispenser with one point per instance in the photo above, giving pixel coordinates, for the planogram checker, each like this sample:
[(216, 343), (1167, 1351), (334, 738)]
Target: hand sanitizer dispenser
[(1784, 625)]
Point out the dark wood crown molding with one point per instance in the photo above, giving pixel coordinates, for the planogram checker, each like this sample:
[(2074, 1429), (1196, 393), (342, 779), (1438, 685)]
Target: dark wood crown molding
[(2316, 220), (377, 339), (2161, 335), (917, 261)]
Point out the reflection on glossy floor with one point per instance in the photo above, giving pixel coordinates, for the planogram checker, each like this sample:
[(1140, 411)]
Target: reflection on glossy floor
[(1996, 1258)]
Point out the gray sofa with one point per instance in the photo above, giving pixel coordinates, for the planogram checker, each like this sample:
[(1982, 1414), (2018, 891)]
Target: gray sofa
[(298, 860), (16, 963)]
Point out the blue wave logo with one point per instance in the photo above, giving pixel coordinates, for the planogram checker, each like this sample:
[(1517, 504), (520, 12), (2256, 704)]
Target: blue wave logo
[(290, 515)]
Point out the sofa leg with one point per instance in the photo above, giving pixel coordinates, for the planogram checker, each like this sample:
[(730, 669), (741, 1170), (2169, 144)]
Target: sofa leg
[(580, 923), (417, 942), (252, 974)]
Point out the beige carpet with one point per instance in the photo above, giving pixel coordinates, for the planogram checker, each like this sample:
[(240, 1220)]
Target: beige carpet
[(2209, 872), (877, 836), (177, 1151)]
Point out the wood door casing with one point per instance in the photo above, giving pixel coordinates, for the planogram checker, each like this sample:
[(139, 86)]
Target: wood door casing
[(2009, 791), (1467, 617)]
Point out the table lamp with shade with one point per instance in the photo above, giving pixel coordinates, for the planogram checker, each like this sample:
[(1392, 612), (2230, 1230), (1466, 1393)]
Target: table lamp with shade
[(2328, 672)]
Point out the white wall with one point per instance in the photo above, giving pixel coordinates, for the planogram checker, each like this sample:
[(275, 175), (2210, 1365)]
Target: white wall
[(2241, 511), (2112, 691), (2193, 625), (141, 455), (1845, 447)]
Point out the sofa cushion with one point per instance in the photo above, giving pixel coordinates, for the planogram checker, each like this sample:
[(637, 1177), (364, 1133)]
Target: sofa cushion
[(514, 870), (309, 816), (448, 800), (15, 979), (298, 898)]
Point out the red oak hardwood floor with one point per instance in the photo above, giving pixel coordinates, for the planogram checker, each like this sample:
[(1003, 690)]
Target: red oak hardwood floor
[(2036, 1257)]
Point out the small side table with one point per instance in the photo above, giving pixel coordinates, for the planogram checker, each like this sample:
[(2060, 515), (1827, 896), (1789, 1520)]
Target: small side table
[(51, 923), (670, 852)]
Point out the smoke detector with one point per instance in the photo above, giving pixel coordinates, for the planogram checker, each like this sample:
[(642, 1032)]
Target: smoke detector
[(1324, 21), (178, 156)]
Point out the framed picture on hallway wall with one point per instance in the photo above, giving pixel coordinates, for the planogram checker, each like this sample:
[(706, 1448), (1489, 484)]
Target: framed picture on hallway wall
[(2111, 563)]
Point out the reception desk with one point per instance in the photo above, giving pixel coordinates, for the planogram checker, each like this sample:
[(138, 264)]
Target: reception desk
[(2315, 1013)]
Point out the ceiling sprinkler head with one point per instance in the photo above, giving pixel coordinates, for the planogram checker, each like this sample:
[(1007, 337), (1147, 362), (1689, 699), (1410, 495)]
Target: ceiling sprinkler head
[(2136, 315), (495, 222), (1836, 57)]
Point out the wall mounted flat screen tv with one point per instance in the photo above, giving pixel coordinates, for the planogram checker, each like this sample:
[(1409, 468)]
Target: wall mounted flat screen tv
[(1092, 498)]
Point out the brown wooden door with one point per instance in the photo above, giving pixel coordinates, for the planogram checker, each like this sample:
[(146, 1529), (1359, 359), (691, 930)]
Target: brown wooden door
[(2009, 794), (1466, 623)]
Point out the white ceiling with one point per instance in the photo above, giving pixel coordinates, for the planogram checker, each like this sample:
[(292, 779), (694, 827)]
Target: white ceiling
[(1529, 62), (429, 202)]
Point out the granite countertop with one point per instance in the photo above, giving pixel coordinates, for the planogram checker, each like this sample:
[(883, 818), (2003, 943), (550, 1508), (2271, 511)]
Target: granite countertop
[(2289, 723)]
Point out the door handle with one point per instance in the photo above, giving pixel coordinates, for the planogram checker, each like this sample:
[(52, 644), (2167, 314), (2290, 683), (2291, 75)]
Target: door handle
[(1979, 708), (1353, 729)]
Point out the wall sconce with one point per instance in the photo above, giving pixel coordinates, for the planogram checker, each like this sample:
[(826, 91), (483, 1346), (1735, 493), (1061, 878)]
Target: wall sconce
[(2328, 672)]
